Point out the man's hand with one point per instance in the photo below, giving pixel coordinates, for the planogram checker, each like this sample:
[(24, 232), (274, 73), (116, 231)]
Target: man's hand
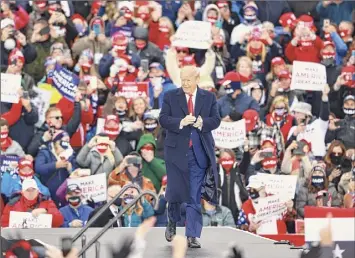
[(227, 119), (335, 173), (77, 223), (326, 3), (292, 146), (254, 226), (332, 126), (188, 120), (26, 103), (199, 122), (21, 38), (92, 142), (47, 136), (39, 211), (289, 205), (256, 158), (157, 11), (61, 164), (147, 155)]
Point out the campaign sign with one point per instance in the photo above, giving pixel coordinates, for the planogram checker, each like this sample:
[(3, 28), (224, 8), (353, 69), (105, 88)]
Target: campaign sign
[(93, 187), (125, 30), (26, 220), (42, 102), (193, 34), (9, 164), (230, 135), (284, 185), (308, 76), (65, 81), (132, 90), (10, 84), (269, 206)]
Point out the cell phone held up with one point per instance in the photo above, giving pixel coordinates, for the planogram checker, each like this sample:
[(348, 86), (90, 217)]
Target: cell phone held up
[(266, 154), (145, 65)]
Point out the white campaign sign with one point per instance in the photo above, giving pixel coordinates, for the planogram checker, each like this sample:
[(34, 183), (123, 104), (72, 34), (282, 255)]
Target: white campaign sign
[(268, 227), (42, 103), (26, 220), (308, 76), (93, 187), (283, 185), (100, 125), (193, 34), (230, 135), (269, 206), (10, 84)]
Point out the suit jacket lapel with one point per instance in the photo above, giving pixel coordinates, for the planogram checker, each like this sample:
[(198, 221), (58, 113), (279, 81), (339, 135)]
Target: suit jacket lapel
[(200, 95), (182, 101)]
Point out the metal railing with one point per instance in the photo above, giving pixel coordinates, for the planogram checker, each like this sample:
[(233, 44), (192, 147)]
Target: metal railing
[(114, 220)]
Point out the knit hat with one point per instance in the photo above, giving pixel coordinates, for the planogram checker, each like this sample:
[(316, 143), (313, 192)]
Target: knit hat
[(328, 43), (304, 108), (126, 4), (59, 135), (307, 21), (57, 45), (148, 115), (78, 16), (255, 34), (222, 4), (229, 77), (251, 6), (15, 55), (277, 61), (288, 20), (251, 117), (140, 33), (7, 22)]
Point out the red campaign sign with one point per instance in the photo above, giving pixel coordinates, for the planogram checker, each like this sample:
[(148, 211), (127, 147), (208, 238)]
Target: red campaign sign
[(132, 90)]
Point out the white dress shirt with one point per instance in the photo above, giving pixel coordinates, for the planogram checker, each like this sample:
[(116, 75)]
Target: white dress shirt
[(193, 99)]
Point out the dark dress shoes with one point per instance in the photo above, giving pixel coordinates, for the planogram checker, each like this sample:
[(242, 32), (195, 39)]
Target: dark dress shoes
[(170, 231), (193, 243)]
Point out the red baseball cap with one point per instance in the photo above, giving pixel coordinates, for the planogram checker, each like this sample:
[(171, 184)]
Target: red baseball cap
[(288, 20), (23, 163), (328, 43), (268, 140), (112, 118), (284, 74), (222, 4), (230, 77), (277, 61), (251, 118)]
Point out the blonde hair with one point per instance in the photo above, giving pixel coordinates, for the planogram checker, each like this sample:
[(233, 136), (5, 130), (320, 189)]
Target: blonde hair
[(263, 52), (131, 112), (277, 100), (171, 26), (244, 59)]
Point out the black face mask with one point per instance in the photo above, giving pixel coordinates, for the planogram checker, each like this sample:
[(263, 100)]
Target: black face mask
[(254, 195), (336, 160), (318, 181), (118, 202), (74, 200), (102, 96), (349, 111), (121, 113), (328, 62)]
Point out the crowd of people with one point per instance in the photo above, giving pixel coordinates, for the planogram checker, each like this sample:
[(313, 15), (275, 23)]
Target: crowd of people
[(248, 66)]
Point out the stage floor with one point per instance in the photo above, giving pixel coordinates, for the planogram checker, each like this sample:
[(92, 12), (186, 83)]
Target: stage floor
[(214, 241)]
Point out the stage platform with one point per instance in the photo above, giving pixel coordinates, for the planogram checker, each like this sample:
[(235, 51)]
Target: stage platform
[(214, 242)]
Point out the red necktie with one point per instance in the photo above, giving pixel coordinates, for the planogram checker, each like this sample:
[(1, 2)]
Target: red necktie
[(190, 107)]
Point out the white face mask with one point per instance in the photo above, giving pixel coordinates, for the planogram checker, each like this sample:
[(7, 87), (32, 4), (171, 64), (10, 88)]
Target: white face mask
[(157, 82), (66, 154), (10, 44)]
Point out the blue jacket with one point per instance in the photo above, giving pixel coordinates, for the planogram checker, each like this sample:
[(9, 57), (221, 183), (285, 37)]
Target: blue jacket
[(340, 47), (49, 174), (107, 60), (167, 85), (336, 12), (240, 104), (134, 220), (12, 184), (70, 214)]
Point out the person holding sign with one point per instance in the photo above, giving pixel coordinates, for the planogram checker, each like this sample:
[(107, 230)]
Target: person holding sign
[(189, 114), (31, 200), (75, 214)]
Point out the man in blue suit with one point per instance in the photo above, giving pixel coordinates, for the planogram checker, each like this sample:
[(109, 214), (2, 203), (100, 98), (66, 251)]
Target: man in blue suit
[(189, 114)]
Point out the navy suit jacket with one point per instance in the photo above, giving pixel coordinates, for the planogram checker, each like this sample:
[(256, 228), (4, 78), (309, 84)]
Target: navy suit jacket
[(176, 144)]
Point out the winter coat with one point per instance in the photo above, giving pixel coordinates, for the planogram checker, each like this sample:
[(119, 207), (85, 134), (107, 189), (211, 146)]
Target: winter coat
[(29, 52), (69, 214), (52, 177), (336, 12), (173, 69), (77, 140), (20, 206), (11, 184), (92, 159), (167, 85), (306, 198), (305, 165), (154, 170), (345, 134), (151, 52), (14, 149), (272, 10), (161, 39), (70, 128), (96, 47), (134, 220), (223, 217), (108, 60), (340, 47), (240, 104), (308, 54)]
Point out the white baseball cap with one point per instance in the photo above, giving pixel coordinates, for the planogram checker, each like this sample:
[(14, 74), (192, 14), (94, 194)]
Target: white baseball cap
[(7, 22), (29, 183)]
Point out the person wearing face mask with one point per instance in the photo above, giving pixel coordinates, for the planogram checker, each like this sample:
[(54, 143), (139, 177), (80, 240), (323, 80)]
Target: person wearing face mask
[(31, 200), (339, 45), (344, 131), (130, 171), (144, 48), (305, 46), (288, 22), (216, 215), (158, 85), (257, 91), (246, 217), (12, 184), (61, 54), (96, 41), (8, 145), (81, 25), (280, 116), (139, 212), (317, 182), (55, 162), (235, 99), (223, 61), (229, 18), (100, 155), (346, 30), (250, 16), (153, 167), (233, 192), (121, 71), (75, 214), (278, 64), (336, 11), (11, 39)]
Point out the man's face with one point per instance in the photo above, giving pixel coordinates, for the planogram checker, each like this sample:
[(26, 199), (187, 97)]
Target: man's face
[(55, 119), (37, 28), (345, 26), (257, 94), (285, 83), (4, 129), (30, 194), (189, 79), (154, 72), (72, 194), (349, 104), (299, 117)]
